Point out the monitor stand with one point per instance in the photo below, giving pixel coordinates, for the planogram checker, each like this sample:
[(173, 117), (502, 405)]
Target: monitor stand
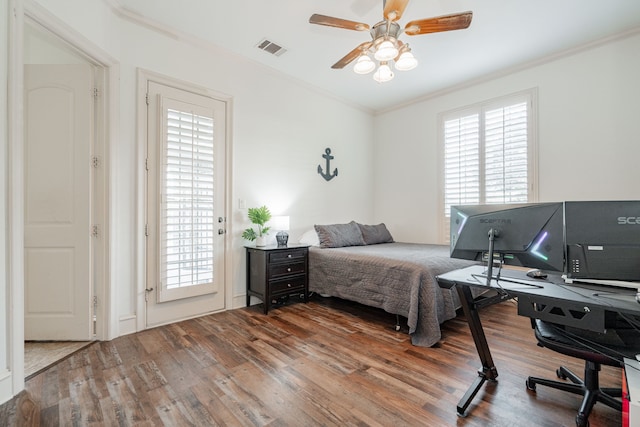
[(493, 234)]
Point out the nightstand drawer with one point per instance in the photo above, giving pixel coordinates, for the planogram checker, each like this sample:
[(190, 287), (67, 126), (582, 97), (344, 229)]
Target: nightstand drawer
[(288, 285), (288, 255), (286, 269)]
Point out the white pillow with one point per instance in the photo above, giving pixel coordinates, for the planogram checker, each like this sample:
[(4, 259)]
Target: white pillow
[(310, 238)]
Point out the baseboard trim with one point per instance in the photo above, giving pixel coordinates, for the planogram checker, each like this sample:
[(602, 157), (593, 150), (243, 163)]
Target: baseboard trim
[(239, 301), (6, 389), (127, 325)]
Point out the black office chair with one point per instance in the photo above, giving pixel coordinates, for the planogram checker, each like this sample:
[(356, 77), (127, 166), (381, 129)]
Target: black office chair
[(595, 349)]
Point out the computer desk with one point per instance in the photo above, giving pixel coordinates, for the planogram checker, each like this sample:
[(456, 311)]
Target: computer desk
[(579, 305)]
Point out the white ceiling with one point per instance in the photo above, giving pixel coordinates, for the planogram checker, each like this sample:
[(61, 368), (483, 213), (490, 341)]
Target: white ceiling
[(504, 34)]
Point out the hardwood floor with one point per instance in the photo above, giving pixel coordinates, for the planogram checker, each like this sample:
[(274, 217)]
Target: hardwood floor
[(328, 362)]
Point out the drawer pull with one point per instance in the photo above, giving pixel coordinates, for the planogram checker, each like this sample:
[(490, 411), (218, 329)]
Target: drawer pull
[(289, 256), (288, 285), (289, 269)]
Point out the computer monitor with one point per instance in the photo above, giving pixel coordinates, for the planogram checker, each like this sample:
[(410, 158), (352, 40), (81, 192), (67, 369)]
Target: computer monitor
[(528, 235), (603, 240)]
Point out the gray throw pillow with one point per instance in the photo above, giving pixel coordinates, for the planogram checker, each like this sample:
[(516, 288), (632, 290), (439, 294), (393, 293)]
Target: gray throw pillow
[(339, 235), (374, 234)]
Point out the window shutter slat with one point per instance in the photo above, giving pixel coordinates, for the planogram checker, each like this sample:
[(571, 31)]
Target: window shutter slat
[(187, 215), (506, 154), (462, 161)]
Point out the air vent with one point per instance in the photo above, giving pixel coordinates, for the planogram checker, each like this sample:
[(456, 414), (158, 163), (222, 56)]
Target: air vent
[(271, 47)]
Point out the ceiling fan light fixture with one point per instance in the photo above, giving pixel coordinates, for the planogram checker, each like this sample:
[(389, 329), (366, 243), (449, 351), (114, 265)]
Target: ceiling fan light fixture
[(364, 65), (383, 74), (385, 46), (386, 51), (406, 62)]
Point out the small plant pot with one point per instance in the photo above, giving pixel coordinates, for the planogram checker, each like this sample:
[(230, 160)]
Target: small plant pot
[(261, 241)]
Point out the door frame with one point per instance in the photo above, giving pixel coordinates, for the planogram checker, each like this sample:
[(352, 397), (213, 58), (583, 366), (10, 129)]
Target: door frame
[(143, 76), (108, 83)]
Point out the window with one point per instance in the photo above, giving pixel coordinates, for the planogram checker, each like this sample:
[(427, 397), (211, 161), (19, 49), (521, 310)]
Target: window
[(487, 154), (187, 225)]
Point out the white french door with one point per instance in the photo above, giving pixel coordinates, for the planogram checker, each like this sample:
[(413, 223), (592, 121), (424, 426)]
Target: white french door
[(186, 135)]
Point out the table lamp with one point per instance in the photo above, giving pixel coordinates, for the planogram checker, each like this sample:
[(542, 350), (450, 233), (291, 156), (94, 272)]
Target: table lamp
[(281, 223)]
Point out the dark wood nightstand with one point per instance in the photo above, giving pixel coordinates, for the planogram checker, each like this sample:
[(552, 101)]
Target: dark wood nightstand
[(274, 272)]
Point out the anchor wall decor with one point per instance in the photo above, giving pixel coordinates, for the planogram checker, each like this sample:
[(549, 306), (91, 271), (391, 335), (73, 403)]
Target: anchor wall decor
[(328, 176)]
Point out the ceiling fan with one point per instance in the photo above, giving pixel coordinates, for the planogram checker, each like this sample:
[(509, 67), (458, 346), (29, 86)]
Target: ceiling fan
[(384, 44)]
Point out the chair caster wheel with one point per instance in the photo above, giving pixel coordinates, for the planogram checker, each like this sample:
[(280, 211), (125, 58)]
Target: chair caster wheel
[(397, 327), (530, 385), (582, 421)]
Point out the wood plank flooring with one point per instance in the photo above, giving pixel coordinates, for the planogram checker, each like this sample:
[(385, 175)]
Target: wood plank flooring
[(328, 362)]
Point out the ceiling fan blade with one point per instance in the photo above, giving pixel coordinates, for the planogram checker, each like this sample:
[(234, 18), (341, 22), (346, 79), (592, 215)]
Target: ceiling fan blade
[(393, 9), (457, 21), (349, 57), (330, 21)]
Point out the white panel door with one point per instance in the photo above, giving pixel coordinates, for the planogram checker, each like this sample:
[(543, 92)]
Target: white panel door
[(186, 152), (58, 137)]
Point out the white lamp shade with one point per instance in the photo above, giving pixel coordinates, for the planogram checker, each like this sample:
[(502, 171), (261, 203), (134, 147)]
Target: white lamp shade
[(384, 73), (280, 222), (406, 62), (386, 51), (364, 65)]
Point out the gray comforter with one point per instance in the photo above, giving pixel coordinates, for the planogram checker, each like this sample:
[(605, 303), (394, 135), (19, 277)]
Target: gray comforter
[(397, 277)]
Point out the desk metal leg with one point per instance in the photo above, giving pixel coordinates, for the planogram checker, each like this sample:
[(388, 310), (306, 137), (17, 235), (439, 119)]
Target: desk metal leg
[(488, 371)]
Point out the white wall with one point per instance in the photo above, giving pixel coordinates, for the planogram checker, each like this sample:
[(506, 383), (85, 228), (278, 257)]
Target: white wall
[(588, 140), (280, 130), (40, 47), (5, 374), (90, 18)]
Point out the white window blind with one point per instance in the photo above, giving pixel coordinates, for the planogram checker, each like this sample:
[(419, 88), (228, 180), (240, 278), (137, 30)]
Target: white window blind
[(187, 218), (506, 163), (461, 161), (487, 155)]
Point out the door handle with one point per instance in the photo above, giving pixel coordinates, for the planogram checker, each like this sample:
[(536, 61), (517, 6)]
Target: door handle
[(221, 231)]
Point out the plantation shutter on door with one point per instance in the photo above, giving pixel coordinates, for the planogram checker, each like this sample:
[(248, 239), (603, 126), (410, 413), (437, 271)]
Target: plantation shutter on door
[(186, 214)]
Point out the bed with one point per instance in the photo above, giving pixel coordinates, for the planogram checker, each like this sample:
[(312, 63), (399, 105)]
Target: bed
[(396, 277)]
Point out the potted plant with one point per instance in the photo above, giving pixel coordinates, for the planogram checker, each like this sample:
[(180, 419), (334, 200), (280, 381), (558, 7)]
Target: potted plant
[(259, 216)]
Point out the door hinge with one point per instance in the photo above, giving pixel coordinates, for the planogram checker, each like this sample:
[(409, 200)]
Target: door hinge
[(146, 230), (146, 98), (96, 93), (95, 316), (95, 161), (94, 231), (146, 164)]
